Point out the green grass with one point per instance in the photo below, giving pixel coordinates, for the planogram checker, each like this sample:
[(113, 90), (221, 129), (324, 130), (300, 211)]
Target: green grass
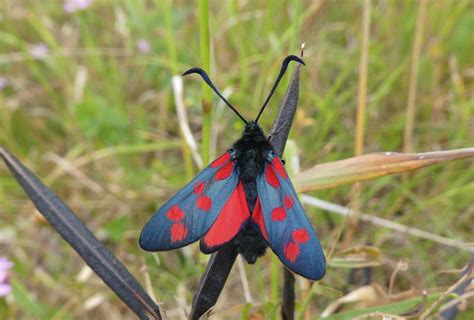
[(125, 104)]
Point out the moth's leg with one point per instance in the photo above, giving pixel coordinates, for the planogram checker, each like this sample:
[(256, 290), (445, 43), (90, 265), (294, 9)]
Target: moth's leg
[(234, 153), (268, 155)]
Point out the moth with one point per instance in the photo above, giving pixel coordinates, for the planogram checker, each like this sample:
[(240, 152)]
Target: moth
[(246, 197)]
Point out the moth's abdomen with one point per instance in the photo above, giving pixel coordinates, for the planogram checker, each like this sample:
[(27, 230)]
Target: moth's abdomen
[(250, 243), (250, 163)]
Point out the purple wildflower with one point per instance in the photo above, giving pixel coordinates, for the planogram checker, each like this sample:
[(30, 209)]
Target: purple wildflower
[(38, 50), (3, 82), (143, 46), (5, 287), (71, 6)]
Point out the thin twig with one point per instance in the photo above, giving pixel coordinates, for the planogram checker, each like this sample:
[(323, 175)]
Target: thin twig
[(343, 211), (445, 294), (461, 299)]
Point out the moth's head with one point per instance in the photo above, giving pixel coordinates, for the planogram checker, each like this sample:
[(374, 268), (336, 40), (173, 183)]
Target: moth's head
[(252, 126), (253, 129)]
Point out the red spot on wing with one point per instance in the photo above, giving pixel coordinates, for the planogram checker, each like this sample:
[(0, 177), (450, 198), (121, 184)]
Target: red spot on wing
[(175, 213), (229, 221), (278, 214), (221, 160), (289, 200), (300, 235), (178, 232), (271, 177), (204, 203), (199, 187), (279, 167), (257, 217), (291, 251), (225, 171)]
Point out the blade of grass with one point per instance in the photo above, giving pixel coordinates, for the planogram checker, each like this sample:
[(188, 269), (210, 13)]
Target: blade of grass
[(370, 166), (187, 148), (28, 301), (242, 44), (73, 230)]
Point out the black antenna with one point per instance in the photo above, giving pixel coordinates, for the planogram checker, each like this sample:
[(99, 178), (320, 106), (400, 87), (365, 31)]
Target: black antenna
[(284, 65), (205, 77)]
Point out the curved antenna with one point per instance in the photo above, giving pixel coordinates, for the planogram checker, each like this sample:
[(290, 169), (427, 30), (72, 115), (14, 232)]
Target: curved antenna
[(206, 79), (284, 65)]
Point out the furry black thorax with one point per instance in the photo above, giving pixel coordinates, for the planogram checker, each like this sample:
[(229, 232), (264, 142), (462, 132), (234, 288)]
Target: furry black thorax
[(251, 152)]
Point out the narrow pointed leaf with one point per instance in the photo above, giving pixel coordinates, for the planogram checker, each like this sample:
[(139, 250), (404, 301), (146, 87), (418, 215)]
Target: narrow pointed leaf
[(279, 135), (370, 166), (73, 230), (220, 264)]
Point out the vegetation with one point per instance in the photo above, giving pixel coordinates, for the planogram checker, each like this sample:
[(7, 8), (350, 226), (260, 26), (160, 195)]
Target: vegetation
[(87, 103)]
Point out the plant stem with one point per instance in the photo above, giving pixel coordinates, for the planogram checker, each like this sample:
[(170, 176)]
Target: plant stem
[(204, 43), (360, 121)]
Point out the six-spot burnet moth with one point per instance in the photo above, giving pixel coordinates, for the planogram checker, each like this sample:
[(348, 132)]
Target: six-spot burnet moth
[(244, 197)]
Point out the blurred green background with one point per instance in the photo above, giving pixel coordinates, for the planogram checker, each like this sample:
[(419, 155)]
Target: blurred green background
[(86, 102)]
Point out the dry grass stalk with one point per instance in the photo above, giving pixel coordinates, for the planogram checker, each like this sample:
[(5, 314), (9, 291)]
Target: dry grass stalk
[(360, 121)]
